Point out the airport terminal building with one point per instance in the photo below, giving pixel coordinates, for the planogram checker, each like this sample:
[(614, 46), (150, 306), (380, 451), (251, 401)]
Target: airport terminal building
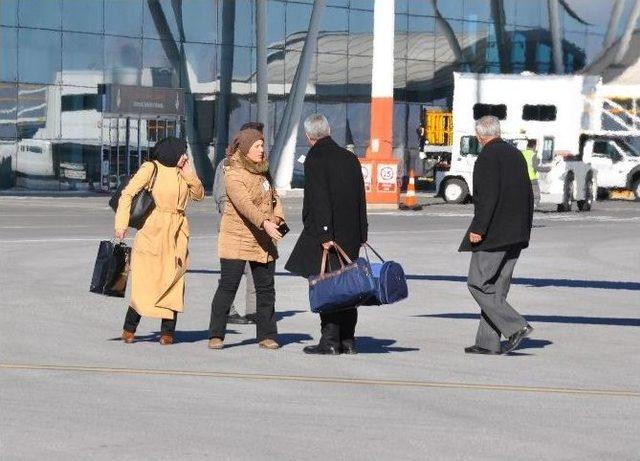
[(88, 86)]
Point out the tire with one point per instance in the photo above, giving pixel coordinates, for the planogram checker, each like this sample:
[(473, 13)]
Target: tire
[(589, 186), (635, 187), (567, 198), (455, 191)]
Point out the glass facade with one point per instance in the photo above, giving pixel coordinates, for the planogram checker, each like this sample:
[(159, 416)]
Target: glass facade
[(56, 54)]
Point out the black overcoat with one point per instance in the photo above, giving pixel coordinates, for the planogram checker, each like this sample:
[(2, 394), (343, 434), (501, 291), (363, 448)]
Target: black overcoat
[(502, 198), (334, 207)]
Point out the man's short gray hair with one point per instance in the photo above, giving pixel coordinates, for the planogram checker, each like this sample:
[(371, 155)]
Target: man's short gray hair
[(317, 126), (489, 125)]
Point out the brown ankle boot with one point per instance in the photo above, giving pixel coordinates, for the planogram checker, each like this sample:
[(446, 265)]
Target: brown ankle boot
[(165, 340), (128, 337)]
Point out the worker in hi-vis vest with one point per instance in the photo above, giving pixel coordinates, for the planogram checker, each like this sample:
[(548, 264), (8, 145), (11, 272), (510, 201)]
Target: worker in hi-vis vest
[(531, 156)]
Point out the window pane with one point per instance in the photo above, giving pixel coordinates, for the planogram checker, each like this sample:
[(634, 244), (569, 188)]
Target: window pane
[(158, 70), (359, 116), (361, 32), (122, 60), (32, 111), (82, 59), (244, 26), (275, 24), (332, 37), (298, 16), (40, 13), (202, 67), (242, 64), (9, 47), (199, 18), (123, 17), (331, 81), (8, 111), (153, 26), (83, 15), (8, 12), (362, 4), (39, 55)]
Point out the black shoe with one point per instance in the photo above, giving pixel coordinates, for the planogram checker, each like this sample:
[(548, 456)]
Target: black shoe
[(238, 319), (252, 318), (479, 350), (321, 350), (515, 339), (349, 348)]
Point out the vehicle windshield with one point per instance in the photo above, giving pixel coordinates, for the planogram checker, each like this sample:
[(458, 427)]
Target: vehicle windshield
[(627, 148)]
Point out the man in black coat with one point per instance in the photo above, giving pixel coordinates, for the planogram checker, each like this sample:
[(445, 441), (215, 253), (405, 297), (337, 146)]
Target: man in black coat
[(334, 211), (500, 229)]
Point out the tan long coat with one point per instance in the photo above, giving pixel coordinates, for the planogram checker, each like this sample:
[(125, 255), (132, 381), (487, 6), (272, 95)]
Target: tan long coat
[(160, 255), (249, 204)]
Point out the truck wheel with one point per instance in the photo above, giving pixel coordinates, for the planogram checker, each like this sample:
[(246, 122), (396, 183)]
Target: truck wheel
[(455, 191), (585, 205), (567, 197), (635, 187)]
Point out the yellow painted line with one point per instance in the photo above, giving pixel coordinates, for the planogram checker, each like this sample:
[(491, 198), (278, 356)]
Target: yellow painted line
[(322, 379)]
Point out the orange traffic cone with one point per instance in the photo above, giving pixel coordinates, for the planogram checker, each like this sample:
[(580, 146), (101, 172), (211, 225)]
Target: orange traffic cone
[(410, 201)]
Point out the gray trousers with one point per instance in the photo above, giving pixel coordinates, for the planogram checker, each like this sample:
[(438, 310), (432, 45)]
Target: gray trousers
[(535, 185), (489, 281), (250, 294)]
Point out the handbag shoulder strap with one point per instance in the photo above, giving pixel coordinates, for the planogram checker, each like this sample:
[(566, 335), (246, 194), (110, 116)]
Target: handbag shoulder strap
[(154, 175)]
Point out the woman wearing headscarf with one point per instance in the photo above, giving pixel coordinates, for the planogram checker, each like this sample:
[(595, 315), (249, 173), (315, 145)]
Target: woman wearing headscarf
[(160, 255), (248, 233)]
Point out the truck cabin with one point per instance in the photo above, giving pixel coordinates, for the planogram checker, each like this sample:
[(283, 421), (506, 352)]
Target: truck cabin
[(612, 148)]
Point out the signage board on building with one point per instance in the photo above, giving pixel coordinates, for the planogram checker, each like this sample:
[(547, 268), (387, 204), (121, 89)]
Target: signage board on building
[(141, 101)]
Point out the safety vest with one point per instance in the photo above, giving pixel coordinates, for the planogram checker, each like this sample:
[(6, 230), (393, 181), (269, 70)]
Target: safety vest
[(528, 156)]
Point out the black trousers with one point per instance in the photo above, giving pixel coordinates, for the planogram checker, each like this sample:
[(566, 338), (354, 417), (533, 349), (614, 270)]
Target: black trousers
[(338, 328), (132, 319), (230, 274)]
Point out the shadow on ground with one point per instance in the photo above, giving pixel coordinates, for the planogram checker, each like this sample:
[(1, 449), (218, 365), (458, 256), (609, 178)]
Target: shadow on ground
[(580, 320), (370, 345), (533, 282)]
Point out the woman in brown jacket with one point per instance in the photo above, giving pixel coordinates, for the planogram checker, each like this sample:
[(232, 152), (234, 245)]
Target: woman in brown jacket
[(248, 232), (160, 255)]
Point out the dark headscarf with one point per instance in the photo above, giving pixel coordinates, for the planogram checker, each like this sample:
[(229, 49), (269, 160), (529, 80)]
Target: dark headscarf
[(168, 151)]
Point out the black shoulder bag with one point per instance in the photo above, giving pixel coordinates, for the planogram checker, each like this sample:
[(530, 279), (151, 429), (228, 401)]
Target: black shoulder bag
[(142, 203)]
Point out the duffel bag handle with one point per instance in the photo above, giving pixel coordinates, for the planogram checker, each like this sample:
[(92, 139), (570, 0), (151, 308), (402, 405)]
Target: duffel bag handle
[(366, 252), (342, 258)]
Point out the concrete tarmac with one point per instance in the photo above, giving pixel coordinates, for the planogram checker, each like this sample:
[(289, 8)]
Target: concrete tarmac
[(70, 389)]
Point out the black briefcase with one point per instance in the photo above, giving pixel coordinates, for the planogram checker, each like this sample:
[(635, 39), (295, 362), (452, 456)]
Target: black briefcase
[(111, 270), (141, 205)]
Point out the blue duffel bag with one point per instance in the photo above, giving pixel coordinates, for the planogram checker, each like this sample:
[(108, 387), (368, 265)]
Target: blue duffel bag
[(391, 283), (346, 287)]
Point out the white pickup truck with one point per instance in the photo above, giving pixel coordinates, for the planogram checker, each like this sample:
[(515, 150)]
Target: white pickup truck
[(617, 162)]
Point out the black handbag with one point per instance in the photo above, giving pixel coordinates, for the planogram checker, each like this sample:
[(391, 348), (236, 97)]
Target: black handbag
[(111, 269), (141, 205)]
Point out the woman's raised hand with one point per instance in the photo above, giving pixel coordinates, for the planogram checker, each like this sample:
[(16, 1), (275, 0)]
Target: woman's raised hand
[(184, 166), (271, 229)]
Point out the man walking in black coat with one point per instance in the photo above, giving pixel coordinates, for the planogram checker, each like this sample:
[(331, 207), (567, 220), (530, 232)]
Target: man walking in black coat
[(334, 211), (501, 227)]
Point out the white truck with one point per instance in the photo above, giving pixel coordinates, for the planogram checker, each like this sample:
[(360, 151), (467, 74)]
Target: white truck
[(617, 161), (551, 109)]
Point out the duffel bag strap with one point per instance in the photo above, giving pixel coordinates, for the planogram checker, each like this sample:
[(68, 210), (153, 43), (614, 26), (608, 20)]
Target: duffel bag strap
[(366, 245)]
